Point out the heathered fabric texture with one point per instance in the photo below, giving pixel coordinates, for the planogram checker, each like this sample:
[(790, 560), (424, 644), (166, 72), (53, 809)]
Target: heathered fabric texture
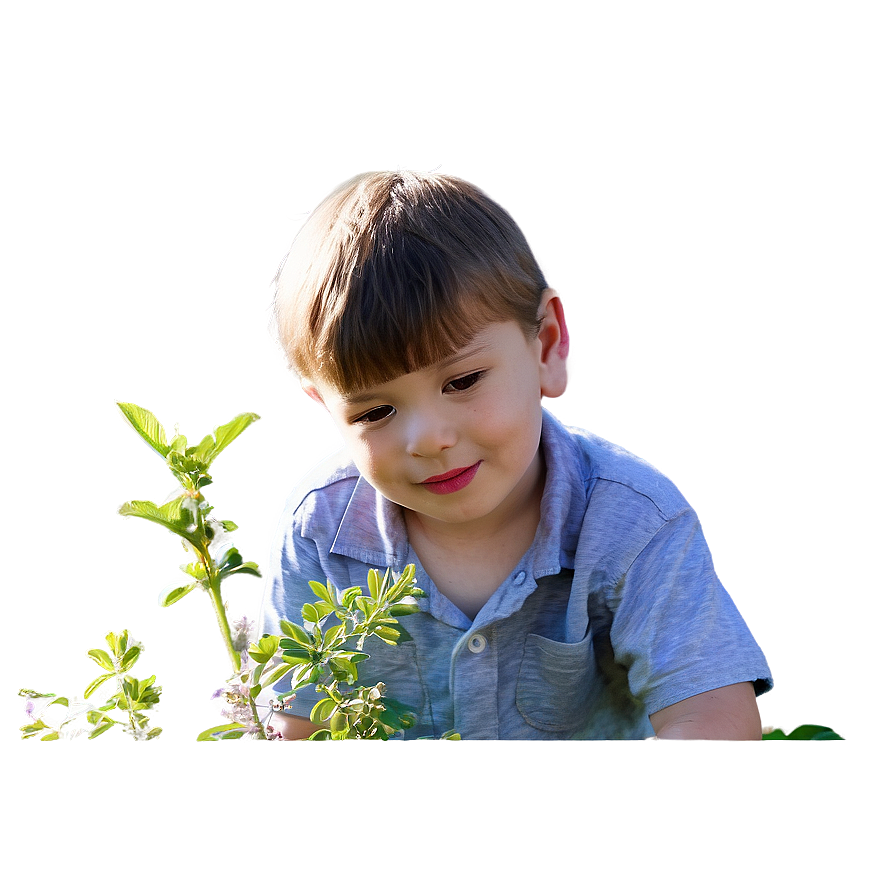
[(614, 612)]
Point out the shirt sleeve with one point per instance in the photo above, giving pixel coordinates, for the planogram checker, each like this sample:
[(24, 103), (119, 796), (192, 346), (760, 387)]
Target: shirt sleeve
[(675, 627)]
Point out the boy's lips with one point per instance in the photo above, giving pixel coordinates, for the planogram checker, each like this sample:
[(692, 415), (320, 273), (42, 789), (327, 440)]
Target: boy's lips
[(452, 481)]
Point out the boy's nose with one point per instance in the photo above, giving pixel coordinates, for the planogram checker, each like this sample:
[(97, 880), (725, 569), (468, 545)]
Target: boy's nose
[(428, 434)]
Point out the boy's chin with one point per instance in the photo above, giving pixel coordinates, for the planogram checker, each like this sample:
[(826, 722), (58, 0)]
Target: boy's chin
[(461, 514)]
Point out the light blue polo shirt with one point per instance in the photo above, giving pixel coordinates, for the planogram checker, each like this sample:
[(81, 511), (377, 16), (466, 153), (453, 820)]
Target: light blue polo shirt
[(614, 612)]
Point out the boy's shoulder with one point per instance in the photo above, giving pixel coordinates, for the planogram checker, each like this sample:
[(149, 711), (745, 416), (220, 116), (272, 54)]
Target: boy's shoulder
[(615, 471), (327, 488)]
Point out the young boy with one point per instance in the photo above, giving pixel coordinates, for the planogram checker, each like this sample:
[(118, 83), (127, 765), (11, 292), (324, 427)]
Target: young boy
[(569, 589)]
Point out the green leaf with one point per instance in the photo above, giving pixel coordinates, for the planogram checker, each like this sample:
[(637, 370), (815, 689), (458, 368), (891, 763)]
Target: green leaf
[(320, 590), (322, 710), (196, 570), (102, 658), (166, 598), (391, 718), (178, 444), (111, 703), (32, 729), (147, 427), (343, 669), (173, 516), (296, 632), (266, 647), (334, 636), (102, 679), (276, 674), (388, 634), (228, 558), (804, 732), (212, 445), (248, 567), (203, 451), (100, 729), (219, 731), (404, 609), (130, 658), (313, 612), (53, 735)]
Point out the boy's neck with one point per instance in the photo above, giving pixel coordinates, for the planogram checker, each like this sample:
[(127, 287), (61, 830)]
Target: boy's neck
[(468, 562)]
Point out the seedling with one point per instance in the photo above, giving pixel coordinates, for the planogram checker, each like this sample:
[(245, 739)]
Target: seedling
[(56, 716)]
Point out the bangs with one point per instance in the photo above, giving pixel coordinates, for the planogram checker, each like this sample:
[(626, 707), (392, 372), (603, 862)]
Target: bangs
[(406, 309), (395, 272)]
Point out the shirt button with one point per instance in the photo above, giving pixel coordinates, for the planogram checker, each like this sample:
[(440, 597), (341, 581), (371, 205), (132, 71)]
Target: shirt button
[(519, 578), (477, 643)]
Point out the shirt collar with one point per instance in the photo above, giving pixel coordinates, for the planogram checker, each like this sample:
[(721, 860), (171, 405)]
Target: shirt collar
[(373, 531)]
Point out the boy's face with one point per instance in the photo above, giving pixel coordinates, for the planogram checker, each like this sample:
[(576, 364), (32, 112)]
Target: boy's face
[(457, 443)]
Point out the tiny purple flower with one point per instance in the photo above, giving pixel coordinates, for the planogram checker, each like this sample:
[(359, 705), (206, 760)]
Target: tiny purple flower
[(243, 626), (242, 631)]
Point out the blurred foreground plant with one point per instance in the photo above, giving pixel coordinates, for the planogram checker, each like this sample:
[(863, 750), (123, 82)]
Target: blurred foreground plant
[(188, 515), (328, 658), (132, 697)]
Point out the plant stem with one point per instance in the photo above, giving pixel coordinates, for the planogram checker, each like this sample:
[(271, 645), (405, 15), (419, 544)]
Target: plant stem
[(214, 590), (132, 719)]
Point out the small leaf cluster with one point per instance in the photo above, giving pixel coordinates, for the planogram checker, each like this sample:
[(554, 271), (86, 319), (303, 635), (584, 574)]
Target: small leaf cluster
[(328, 656), (189, 515), (133, 697)]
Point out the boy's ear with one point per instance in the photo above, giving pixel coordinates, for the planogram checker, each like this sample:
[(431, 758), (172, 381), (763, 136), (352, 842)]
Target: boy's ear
[(554, 345), (309, 389)]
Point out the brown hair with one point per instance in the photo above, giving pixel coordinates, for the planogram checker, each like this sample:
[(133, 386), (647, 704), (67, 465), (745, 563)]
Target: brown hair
[(395, 271)]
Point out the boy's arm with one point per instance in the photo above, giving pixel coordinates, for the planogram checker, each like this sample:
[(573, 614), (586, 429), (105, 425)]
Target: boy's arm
[(293, 727), (728, 713)]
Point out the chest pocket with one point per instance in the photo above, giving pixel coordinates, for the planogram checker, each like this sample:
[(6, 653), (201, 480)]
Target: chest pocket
[(397, 667), (558, 686)]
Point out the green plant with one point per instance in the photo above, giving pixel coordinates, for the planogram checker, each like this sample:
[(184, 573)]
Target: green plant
[(328, 658), (188, 516), (132, 697)]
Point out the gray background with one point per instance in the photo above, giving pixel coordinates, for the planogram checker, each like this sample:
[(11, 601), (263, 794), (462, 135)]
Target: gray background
[(712, 186)]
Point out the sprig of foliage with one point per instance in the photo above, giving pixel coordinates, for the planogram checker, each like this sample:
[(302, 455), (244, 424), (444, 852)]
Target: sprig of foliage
[(327, 657), (132, 697), (189, 515)]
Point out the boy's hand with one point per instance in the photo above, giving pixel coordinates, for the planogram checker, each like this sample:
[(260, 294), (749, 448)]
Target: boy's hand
[(728, 713), (293, 727)]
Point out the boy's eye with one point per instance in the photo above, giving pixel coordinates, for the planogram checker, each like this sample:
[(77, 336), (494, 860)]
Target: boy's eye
[(463, 383), (376, 414)]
